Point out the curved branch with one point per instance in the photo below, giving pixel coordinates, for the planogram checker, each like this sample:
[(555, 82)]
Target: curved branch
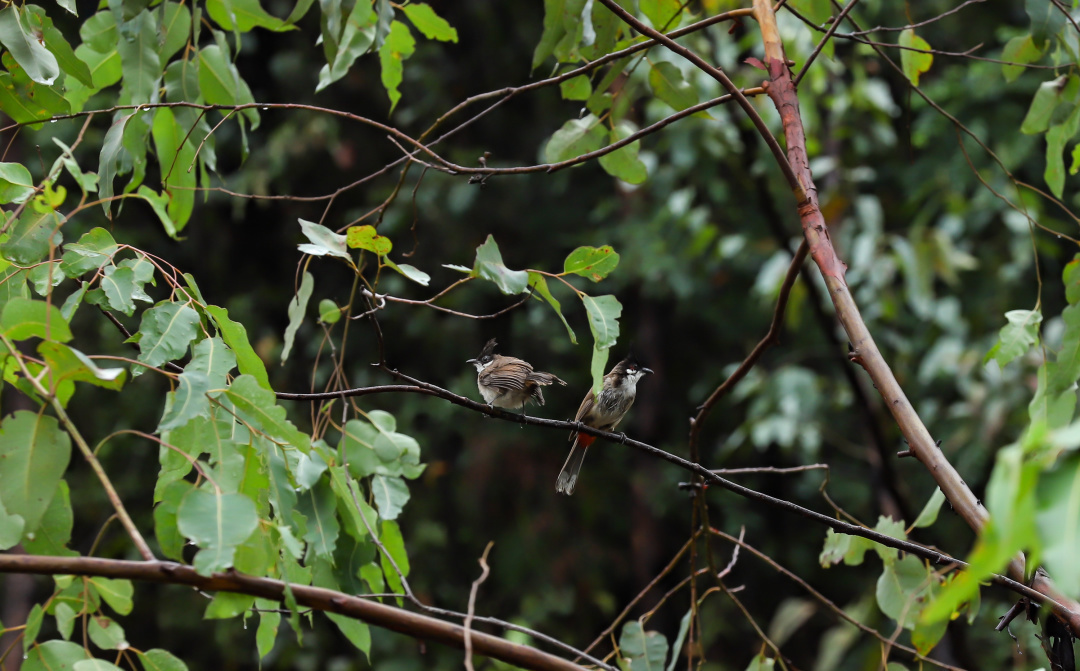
[(317, 598), (864, 350)]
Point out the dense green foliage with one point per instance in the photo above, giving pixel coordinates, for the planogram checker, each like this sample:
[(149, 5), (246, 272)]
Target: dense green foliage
[(207, 220)]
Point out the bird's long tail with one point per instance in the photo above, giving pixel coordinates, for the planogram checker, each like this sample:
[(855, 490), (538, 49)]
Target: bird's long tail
[(568, 476)]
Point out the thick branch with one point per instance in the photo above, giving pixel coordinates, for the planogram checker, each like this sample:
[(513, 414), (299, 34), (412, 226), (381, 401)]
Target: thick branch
[(864, 349), (380, 615)]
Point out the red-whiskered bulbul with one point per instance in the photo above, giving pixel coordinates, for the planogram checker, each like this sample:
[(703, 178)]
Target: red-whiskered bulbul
[(604, 413), (506, 382)]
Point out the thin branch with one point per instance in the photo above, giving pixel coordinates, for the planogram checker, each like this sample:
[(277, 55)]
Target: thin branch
[(472, 605), (316, 598), (421, 387)]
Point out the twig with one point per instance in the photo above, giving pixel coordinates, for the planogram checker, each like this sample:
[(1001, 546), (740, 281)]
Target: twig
[(472, 605)]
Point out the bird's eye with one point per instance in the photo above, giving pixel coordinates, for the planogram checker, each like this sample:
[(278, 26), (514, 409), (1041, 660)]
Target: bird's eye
[(485, 359)]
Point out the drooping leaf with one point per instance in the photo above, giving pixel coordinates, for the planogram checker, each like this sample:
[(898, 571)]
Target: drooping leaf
[(247, 14), (390, 494), (93, 250), (157, 659), (399, 45), (111, 148), (32, 56), (624, 163), (221, 83), (539, 285), (258, 406), (489, 266), (392, 540), (217, 524), (42, 29), (31, 236), (914, 63), (1020, 50), (344, 44), (929, 513), (235, 336), (139, 58), (34, 453), (318, 505), (68, 363), (297, 308), (175, 156), (411, 272)]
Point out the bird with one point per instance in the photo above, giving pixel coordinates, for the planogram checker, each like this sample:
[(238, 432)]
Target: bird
[(616, 396), (506, 382)]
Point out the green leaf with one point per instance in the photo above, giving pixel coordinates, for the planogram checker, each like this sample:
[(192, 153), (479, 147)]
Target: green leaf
[(157, 659), (356, 631), (324, 241), (411, 272), (343, 45), (111, 148), (269, 622), (160, 205), (329, 312), (87, 180), (175, 156), (576, 138), (489, 266), (16, 184), (258, 406), (31, 237), (25, 100), (297, 308), (399, 45), (1058, 521), (93, 250), (851, 549), (595, 263), (54, 531), (668, 84), (99, 32), (390, 494), (554, 30), (65, 620), (23, 318), (903, 589), (169, 495), (624, 163), (166, 330), (53, 656), (1056, 139), (176, 26), (34, 454), (1016, 337), (1021, 50), (106, 633), (119, 285), (247, 14), (597, 366), (1047, 20), (433, 26), (41, 28), (763, 663), (366, 237), (67, 363), (645, 650), (95, 664), (663, 14), (11, 528), (217, 524), (1045, 101), (390, 536), (235, 336), (930, 511), (539, 285), (914, 63), (139, 58), (604, 314), (318, 505), (31, 55), (221, 83), (117, 593), (576, 88), (226, 605)]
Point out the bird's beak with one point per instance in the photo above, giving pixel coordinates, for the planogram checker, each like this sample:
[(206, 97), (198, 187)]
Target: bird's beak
[(647, 370), (471, 361)]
